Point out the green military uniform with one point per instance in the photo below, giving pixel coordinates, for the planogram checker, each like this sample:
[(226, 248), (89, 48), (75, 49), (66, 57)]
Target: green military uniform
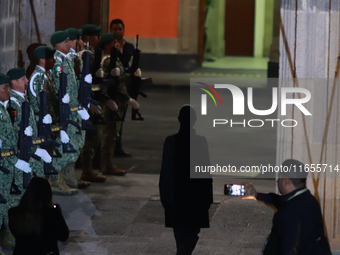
[(113, 124), (9, 140), (40, 80), (16, 103), (92, 138)]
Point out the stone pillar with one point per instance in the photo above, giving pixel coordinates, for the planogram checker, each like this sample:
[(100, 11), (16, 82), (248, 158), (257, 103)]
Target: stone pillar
[(317, 51), (45, 12), (9, 21)]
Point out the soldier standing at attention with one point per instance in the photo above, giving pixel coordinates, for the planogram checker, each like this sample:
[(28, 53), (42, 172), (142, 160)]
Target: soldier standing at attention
[(18, 81), (8, 141), (77, 62), (117, 91), (125, 54), (41, 80), (92, 140), (60, 40)]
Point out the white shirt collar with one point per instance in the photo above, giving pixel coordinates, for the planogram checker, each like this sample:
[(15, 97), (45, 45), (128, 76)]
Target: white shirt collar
[(3, 103), (41, 68), (72, 50), (62, 53), (19, 93)]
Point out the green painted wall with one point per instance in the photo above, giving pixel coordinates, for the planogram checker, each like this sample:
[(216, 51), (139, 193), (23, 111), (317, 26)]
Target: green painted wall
[(268, 29)]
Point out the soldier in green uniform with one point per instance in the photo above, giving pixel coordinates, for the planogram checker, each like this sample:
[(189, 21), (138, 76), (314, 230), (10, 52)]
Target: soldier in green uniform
[(18, 81), (60, 40), (119, 94), (92, 140), (41, 80), (77, 62), (15, 166)]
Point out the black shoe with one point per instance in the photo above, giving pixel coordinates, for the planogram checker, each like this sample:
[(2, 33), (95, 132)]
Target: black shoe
[(122, 154), (135, 115)]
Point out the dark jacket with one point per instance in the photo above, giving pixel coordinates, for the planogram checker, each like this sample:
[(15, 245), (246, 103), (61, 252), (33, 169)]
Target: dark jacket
[(297, 225), (186, 201), (125, 58), (54, 229)]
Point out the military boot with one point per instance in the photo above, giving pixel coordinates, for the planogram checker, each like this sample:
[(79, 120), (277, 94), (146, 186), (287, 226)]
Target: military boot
[(71, 180), (9, 241), (109, 168), (88, 174), (59, 186)]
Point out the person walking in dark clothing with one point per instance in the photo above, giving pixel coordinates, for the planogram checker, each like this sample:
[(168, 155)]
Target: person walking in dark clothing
[(36, 223), (297, 225), (186, 201)]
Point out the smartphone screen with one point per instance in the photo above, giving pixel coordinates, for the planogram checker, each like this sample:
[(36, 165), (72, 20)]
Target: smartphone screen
[(234, 190)]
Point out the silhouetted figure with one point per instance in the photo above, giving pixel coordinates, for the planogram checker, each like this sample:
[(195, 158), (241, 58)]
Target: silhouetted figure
[(186, 201), (33, 62), (36, 223)]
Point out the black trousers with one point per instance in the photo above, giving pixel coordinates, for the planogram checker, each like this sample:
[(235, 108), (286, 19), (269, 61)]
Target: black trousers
[(186, 239)]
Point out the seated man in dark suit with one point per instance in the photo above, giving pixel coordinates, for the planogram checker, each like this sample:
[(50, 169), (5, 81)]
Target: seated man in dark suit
[(297, 224), (186, 200)]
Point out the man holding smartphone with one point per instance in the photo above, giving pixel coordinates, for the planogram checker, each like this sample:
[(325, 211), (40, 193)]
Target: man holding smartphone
[(297, 225)]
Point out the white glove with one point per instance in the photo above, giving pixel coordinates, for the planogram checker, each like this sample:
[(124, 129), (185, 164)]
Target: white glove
[(100, 73), (133, 103), (84, 114), (0, 144), (28, 131), (44, 155), (88, 79), (47, 119), (115, 72), (64, 137), (138, 73), (66, 99), (23, 166)]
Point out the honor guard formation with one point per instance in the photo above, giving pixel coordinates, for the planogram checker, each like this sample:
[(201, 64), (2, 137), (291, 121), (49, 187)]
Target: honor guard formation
[(72, 106)]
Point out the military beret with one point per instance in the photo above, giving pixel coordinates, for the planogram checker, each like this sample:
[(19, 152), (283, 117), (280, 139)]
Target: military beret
[(74, 33), (106, 39), (4, 78), (16, 73), (59, 37), (44, 52), (90, 29)]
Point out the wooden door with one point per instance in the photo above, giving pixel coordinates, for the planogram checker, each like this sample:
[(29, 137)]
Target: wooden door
[(77, 13), (239, 27)]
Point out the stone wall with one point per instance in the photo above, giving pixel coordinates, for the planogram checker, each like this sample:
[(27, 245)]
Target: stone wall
[(45, 13), (9, 21)]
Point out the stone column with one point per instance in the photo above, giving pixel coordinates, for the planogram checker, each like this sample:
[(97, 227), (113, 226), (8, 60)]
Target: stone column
[(316, 56), (9, 21)]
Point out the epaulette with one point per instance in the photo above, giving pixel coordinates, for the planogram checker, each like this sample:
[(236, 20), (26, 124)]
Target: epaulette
[(15, 100)]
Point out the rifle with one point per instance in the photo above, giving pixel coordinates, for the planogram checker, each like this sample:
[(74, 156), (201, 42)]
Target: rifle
[(45, 132), (112, 88), (25, 142), (85, 89), (136, 82), (64, 112)]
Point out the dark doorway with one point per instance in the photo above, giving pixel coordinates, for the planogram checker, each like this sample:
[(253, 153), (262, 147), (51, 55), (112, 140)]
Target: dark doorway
[(239, 27)]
